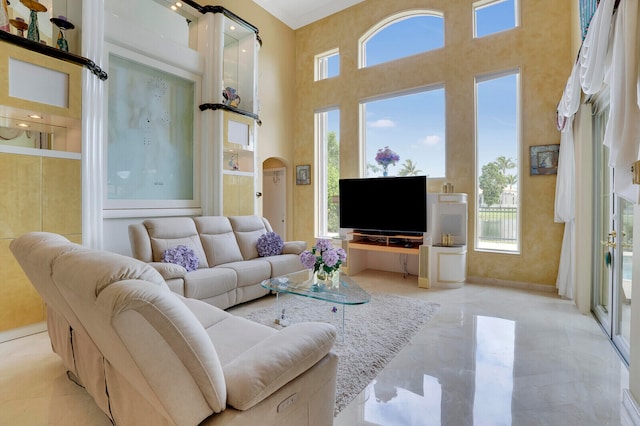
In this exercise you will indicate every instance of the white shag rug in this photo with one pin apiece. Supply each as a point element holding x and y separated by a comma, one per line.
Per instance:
<point>374,333</point>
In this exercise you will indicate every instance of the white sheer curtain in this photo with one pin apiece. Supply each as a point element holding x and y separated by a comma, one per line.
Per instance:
<point>595,52</point>
<point>565,183</point>
<point>622,134</point>
<point>608,60</point>
<point>588,75</point>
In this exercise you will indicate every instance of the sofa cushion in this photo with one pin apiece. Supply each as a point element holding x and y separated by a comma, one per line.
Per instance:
<point>206,314</point>
<point>269,244</point>
<point>218,239</point>
<point>170,232</point>
<point>248,229</point>
<point>284,264</point>
<point>249,272</point>
<point>294,247</point>
<point>275,361</point>
<point>235,335</point>
<point>209,282</point>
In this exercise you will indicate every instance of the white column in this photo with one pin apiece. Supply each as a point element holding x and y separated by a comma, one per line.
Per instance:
<point>211,46</point>
<point>92,130</point>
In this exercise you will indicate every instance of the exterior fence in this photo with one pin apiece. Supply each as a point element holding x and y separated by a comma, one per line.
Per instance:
<point>498,224</point>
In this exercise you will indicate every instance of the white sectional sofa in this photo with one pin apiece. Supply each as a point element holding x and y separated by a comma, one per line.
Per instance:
<point>149,356</point>
<point>230,270</point>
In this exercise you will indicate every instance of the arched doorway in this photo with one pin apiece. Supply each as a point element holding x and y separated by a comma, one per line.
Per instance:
<point>274,195</point>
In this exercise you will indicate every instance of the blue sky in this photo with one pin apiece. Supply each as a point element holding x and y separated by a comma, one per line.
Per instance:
<point>413,125</point>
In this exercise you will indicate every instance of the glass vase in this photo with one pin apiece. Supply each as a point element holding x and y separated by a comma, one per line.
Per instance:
<point>326,279</point>
<point>320,277</point>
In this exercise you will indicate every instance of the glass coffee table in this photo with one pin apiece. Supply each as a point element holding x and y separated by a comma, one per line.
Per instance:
<point>344,292</point>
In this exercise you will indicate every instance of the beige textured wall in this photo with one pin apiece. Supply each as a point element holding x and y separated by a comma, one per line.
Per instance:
<point>36,194</point>
<point>540,47</point>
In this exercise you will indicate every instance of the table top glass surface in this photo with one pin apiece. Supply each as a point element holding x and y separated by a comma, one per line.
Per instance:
<point>347,292</point>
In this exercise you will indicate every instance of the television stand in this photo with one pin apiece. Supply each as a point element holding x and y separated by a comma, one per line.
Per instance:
<point>386,233</point>
<point>361,243</point>
<point>394,243</point>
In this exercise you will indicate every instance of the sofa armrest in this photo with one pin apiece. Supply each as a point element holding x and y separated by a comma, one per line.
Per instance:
<point>294,247</point>
<point>275,361</point>
<point>169,270</point>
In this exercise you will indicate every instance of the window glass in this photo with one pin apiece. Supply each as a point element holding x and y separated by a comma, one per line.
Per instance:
<point>328,143</point>
<point>411,126</point>
<point>494,16</point>
<point>327,65</point>
<point>497,142</point>
<point>418,33</point>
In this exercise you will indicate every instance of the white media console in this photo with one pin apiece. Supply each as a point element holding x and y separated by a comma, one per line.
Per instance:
<point>441,251</point>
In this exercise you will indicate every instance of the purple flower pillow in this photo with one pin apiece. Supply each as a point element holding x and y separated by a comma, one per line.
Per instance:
<point>181,255</point>
<point>269,244</point>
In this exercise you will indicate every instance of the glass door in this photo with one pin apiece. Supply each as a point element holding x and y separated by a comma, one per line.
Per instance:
<point>622,285</point>
<point>605,240</point>
<point>613,251</point>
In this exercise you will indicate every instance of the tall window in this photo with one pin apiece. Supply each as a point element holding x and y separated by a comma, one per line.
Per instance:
<point>410,125</point>
<point>327,125</point>
<point>497,142</point>
<point>327,65</point>
<point>420,31</point>
<point>493,16</point>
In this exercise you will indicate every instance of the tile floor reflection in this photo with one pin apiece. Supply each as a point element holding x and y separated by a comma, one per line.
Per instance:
<point>490,356</point>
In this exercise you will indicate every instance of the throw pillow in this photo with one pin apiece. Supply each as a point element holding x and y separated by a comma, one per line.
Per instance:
<point>181,255</point>
<point>269,244</point>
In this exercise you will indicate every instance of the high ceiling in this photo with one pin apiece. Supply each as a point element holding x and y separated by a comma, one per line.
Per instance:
<point>298,13</point>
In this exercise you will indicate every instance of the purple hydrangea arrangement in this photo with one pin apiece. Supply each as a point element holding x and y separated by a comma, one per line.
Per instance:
<point>181,255</point>
<point>385,156</point>
<point>323,257</point>
<point>269,244</point>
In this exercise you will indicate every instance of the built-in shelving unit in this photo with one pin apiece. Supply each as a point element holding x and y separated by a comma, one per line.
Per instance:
<point>359,245</point>
<point>41,113</point>
<point>231,98</point>
<point>54,53</point>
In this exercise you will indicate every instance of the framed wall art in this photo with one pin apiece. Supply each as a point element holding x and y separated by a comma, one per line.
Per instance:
<point>303,174</point>
<point>544,159</point>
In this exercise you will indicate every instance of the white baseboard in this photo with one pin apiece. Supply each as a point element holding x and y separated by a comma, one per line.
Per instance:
<point>16,333</point>
<point>512,284</point>
<point>631,411</point>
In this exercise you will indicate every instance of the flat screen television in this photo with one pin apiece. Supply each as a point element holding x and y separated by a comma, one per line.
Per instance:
<point>384,205</point>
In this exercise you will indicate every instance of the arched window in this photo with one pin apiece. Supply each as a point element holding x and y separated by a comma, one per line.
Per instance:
<point>401,35</point>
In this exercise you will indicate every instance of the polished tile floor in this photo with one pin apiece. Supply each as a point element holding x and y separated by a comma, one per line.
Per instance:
<point>490,356</point>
